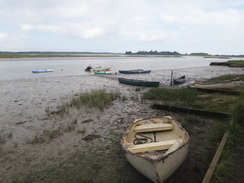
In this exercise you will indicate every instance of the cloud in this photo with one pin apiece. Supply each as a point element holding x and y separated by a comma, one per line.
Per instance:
<point>141,21</point>
<point>3,35</point>
<point>45,28</point>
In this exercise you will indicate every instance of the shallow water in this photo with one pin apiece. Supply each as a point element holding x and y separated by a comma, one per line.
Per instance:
<point>20,68</point>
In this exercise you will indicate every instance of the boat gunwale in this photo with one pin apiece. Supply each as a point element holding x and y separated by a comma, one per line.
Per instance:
<point>161,157</point>
<point>138,81</point>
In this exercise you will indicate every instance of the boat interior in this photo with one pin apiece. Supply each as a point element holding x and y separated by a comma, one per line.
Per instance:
<point>154,137</point>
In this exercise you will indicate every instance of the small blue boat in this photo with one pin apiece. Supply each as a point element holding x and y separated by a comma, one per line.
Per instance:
<point>42,71</point>
<point>137,71</point>
<point>139,82</point>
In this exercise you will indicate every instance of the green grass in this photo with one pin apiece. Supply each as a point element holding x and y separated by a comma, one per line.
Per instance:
<point>191,98</point>
<point>5,136</point>
<point>237,110</point>
<point>236,63</point>
<point>229,156</point>
<point>228,77</point>
<point>179,96</point>
<point>49,134</point>
<point>215,102</point>
<point>105,163</point>
<point>97,98</point>
<point>230,63</point>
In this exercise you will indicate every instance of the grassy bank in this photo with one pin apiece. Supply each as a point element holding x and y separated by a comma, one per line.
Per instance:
<point>230,156</point>
<point>191,98</point>
<point>216,102</point>
<point>97,98</point>
<point>229,77</point>
<point>230,63</point>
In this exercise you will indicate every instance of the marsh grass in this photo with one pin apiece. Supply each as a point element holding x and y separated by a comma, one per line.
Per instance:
<point>4,136</point>
<point>49,134</point>
<point>96,98</point>
<point>230,63</point>
<point>105,163</point>
<point>179,96</point>
<point>191,98</point>
<point>228,77</point>
<point>237,110</point>
<point>230,156</point>
<point>236,63</point>
<point>215,102</point>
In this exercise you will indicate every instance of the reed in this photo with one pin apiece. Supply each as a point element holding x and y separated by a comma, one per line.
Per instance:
<point>228,77</point>
<point>230,155</point>
<point>96,98</point>
<point>237,109</point>
<point>179,96</point>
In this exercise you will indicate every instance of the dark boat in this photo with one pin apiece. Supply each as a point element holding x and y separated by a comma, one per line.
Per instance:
<point>137,71</point>
<point>179,80</point>
<point>138,82</point>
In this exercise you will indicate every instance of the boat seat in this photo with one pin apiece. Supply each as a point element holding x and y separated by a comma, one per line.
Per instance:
<point>153,127</point>
<point>162,145</point>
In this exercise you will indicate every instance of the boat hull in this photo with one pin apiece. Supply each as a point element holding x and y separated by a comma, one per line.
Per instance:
<point>102,72</point>
<point>161,170</point>
<point>217,86</point>
<point>42,71</point>
<point>162,148</point>
<point>139,71</point>
<point>97,69</point>
<point>139,82</point>
<point>178,81</point>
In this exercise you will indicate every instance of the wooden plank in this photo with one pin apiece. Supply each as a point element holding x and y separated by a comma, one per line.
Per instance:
<point>214,162</point>
<point>162,145</point>
<point>153,127</point>
<point>191,111</point>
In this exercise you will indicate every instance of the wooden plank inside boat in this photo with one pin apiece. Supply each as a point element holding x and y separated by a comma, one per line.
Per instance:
<point>153,127</point>
<point>162,145</point>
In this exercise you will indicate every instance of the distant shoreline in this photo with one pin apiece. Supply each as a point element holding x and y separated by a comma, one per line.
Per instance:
<point>36,54</point>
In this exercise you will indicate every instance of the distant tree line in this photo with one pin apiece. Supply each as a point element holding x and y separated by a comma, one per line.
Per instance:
<point>152,53</point>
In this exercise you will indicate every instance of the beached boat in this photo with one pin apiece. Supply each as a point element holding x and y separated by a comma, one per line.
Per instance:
<point>156,147</point>
<point>139,82</point>
<point>217,86</point>
<point>137,71</point>
<point>103,72</point>
<point>94,69</point>
<point>42,71</point>
<point>179,80</point>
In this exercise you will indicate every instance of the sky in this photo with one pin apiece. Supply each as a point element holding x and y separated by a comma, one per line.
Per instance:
<point>117,26</point>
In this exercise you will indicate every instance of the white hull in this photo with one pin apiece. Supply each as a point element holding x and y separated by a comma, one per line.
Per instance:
<point>217,86</point>
<point>156,163</point>
<point>159,171</point>
<point>100,69</point>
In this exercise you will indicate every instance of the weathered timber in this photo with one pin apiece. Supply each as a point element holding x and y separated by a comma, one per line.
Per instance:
<point>215,160</point>
<point>190,111</point>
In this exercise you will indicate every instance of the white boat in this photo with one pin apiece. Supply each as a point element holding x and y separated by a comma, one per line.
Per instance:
<point>156,147</point>
<point>217,86</point>
<point>43,70</point>
<point>100,69</point>
<point>95,69</point>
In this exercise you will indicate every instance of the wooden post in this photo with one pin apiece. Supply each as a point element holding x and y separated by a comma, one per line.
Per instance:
<point>215,159</point>
<point>171,79</point>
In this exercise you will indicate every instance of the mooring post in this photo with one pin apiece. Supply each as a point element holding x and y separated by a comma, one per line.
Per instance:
<point>171,78</point>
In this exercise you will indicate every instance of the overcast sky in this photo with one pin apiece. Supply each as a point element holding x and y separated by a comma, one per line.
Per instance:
<point>185,26</point>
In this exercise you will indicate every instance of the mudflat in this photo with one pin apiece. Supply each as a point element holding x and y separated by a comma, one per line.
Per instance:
<point>28,110</point>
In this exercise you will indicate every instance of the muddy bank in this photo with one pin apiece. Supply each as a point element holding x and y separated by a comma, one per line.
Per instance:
<point>25,109</point>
